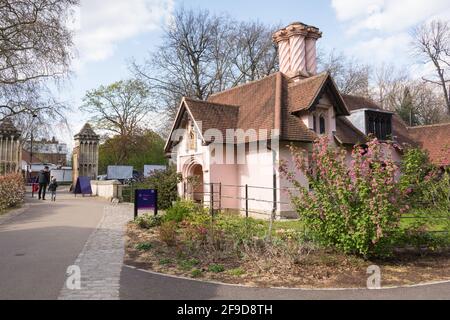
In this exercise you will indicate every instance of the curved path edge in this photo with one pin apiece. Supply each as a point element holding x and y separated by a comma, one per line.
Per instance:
<point>140,284</point>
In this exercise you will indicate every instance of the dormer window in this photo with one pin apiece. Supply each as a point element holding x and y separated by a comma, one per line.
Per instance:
<point>379,124</point>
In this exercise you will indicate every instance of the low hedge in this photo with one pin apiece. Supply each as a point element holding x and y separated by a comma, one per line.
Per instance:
<point>12,191</point>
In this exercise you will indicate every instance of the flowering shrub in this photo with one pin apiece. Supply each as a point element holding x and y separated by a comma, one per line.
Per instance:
<point>426,186</point>
<point>352,206</point>
<point>12,191</point>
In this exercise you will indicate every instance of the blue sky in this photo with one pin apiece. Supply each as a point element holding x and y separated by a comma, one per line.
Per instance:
<point>108,33</point>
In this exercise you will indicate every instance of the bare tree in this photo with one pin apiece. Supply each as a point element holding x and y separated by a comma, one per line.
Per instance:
<point>387,82</point>
<point>415,102</point>
<point>35,46</point>
<point>118,108</point>
<point>350,76</point>
<point>201,54</point>
<point>35,41</point>
<point>432,43</point>
<point>255,55</point>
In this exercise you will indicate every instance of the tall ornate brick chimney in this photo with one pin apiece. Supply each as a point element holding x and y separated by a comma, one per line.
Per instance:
<point>297,49</point>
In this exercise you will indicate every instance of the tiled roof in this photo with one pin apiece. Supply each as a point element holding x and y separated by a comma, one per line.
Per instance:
<point>436,140</point>
<point>254,106</point>
<point>356,102</point>
<point>347,133</point>
<point>303,93</point>
<point>87,133</point>
<point>213,115</point>
<point>256,101</point>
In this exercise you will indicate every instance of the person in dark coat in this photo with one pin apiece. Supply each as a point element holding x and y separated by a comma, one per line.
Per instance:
<point>52,187</point>
<point>43,180</point>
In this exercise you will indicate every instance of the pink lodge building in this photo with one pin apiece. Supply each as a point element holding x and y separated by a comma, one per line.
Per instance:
<point>233,142</point>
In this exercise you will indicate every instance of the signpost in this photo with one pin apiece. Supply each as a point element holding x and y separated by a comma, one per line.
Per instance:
<point>145,199</point>
<point>83,186</point>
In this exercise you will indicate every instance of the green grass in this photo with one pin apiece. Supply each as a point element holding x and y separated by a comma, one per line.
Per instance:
<point>433,220</point>
<point>236,272</point>
<point>145,246</point>
<point>196,273</point>
<point>216,268</point>
<point>165,261</point>
<point>187,265</point>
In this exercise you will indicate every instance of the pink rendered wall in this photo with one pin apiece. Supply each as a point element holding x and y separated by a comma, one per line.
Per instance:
<point>258,172</point>
<point>286,156</point>
<point>227,174</point>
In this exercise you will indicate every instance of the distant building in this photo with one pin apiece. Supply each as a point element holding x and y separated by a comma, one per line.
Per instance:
<point>45,151</point>
<point>9,147</point>
<point>85,154</point>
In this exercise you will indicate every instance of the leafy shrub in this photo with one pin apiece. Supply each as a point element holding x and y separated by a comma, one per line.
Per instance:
<point>216,268</point>
<point>165,181</point>
<point>165,261</point>
<point>237,272</point>
<point>354,207</point>
<point>148,221</point>
<point>12,191</point>
<point>168,233</point>
<point>422,239</point>
<point>196,273</point>
<point>145,246</point>
<point>179,211</point>
<point>239,229</point>
<point>188,264</point>
<point>425,184</point>
<point>193,232</point>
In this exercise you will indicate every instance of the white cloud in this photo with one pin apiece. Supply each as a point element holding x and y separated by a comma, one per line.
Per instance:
<point>100,25</point>
<point>395,48</point>
<point>378,31</point>
<point>388,15</point>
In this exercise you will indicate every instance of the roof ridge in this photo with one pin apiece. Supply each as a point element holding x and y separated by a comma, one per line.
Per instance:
<point>244,84</point>
<point>302,81</point>
<point>429,125</point>
<point>210,102</point>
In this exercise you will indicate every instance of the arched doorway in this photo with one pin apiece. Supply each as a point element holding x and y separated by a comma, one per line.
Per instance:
<point>197,183</point>
<point>193,181</point>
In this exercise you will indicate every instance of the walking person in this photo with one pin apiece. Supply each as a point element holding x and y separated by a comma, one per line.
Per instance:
<point>43,180</point>
<point>52,188</point>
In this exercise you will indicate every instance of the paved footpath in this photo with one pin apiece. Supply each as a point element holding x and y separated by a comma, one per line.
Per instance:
<point>40,241</point>
<point>141,285</point>
<point>100,261</point>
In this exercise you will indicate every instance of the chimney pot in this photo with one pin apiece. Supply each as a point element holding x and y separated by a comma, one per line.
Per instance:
<point>297,49</point>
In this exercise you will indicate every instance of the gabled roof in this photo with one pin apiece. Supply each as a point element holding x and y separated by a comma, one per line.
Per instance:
<point>436,140</point>
<point>306,93</point>
<point>275,102</point>
<point>213,115</point>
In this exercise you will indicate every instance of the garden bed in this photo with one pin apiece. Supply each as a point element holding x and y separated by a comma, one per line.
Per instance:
<point>275,265</point>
